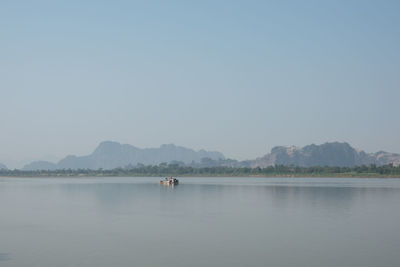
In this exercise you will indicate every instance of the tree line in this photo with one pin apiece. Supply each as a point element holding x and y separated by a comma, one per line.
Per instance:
<point>179,170</point>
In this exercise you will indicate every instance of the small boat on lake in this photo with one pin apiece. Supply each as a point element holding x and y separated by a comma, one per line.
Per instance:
<point>169,181</point>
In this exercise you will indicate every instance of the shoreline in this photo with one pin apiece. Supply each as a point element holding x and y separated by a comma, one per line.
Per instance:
<point>210,176</point>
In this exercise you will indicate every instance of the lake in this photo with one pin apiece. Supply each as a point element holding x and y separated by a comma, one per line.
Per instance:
<point>121,221</point>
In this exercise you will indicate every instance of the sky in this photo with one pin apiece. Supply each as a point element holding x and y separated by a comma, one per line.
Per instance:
<point>239,77</point>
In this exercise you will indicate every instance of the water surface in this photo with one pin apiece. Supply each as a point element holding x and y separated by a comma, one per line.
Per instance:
<point>201,222</point>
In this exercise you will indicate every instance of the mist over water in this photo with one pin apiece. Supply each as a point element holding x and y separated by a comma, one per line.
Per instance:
<point>201,222</point>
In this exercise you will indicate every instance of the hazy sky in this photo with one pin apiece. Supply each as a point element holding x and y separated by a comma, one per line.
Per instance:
<point>235,76</point>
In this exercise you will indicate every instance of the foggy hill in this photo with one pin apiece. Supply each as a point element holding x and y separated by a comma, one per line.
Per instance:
<point>328,154</point>
<point>40,165</point>
<point>109,155</point>
<point>2,166</point>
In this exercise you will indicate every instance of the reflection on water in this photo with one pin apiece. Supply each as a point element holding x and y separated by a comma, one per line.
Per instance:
<point>4,257</point>
<point>200,222</point>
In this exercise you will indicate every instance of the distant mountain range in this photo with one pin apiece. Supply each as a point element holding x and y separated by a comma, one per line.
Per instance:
<point>2,166</point>
<point>109,155</point>
<point>328,154</point>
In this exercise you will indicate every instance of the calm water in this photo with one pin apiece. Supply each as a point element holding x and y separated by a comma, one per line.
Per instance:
<point>201,222</point>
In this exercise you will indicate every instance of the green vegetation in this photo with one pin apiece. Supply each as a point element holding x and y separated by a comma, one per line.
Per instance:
<point>179,170</point>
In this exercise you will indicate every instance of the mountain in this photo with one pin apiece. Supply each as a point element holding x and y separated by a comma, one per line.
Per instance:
<point>40,165</point>
<point>328,154</point>
<point>2,166</point>
<point>109,155</point>
<point>383,158</point>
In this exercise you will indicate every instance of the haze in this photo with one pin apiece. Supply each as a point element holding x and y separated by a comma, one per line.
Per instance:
<point>238,77</point>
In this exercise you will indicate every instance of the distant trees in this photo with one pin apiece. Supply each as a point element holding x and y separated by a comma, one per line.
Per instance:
<point>179,169</point>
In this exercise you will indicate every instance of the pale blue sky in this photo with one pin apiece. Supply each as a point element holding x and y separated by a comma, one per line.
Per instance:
<point>235,76</point>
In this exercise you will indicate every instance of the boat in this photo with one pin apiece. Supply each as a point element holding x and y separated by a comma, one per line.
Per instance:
<point>169,181</point>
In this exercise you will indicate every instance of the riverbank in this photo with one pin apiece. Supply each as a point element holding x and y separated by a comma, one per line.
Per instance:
<point>332,175</point>
<point>372,171</point>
